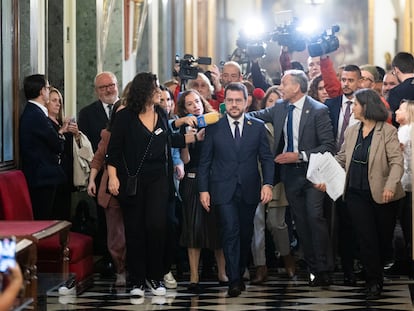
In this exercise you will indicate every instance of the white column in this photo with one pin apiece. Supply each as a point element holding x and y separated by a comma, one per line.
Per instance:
<point>69,56</point>
<point>153,44</point>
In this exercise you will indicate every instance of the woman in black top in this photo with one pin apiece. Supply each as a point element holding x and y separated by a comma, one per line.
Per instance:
<point>140,174</point>
<point>199,228</point>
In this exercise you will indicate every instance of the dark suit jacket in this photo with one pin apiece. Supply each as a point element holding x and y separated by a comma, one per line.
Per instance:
<point>91,121</point>
<point>223,166</point>
<point>40,147</point>
<point>402,91</point>
<point>315,128</point>
<point>334,106</point>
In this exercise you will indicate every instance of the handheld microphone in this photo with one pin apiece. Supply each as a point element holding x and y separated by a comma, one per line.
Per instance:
<point>222,108</point>
<point>258,93</point>
<point>207,119</point>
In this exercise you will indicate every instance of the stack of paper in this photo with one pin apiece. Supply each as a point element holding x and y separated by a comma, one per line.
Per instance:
<point>324,169</point>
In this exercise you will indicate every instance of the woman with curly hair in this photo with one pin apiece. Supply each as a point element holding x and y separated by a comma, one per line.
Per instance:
<point>317,89</point>
<point>141,175</point>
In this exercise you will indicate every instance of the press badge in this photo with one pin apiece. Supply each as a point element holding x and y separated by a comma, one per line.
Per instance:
<point>158,131</point>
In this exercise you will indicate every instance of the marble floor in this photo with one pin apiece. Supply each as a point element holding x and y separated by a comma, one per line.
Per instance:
<point>278,293</point>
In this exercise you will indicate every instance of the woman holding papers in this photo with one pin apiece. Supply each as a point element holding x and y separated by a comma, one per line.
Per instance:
<point>373,162</point>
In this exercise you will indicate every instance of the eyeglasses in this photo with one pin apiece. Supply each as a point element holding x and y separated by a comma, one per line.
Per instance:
<point>360,161</point>
<point>366,79</point>
<point>105,87</point>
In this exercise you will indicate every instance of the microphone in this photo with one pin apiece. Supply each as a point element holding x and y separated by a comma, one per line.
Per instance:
<point>222,108</point>
<point>258,93</point>
<point>207,119</point>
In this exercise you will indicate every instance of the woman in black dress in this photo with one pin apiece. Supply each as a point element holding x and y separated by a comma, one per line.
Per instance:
<point>200,229</point>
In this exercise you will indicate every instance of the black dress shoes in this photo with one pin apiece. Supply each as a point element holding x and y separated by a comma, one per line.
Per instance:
<point>236,288</point>
<point>350,279</point>
<point>373,291</point>
<point>321,279</point>
<point>194,288</point>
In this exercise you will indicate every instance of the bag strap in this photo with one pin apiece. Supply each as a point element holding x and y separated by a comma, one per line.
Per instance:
<point>142,160</point>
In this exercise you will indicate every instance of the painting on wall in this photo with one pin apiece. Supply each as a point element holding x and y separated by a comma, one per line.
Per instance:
<point>352,17</point>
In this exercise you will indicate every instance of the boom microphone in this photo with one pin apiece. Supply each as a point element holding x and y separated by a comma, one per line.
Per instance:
<point>258,93</point>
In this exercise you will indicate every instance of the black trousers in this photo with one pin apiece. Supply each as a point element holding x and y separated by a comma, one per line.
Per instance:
<point>374,230</point>
<point>43,201</point>
<point>306,204</point>
<point>145,221</point>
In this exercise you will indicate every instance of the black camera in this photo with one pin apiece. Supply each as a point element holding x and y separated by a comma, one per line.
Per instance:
<point>251,47</point>
<point>288,35</point>
<point>325,43</point>
<point>189,66</point>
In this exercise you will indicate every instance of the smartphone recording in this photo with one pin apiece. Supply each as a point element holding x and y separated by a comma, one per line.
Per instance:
<point>7,253</point>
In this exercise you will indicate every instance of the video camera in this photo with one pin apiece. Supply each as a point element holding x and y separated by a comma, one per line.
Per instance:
<point>287,35</point>
<point>188,66</point>
<point>325,43</point>
<point>251,47</point>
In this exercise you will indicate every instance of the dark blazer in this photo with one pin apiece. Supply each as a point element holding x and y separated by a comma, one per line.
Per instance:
<point>223,166</point>
<point>334,106</point>
<point>404,90</point>
<point>40,148</point>
<point>91,121</point>
<point>315,129</point>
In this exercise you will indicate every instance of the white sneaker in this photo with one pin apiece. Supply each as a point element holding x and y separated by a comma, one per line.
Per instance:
<point>120,279</point>
<point>157,287</point>
<point>169,281</point>
<point>137,291</point>
<point>63,290</point>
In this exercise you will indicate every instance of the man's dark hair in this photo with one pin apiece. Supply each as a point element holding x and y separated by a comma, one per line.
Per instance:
<point>404,62</point>
<point>381,73</point>
<point>374,108</point>
<point>353,68</point>
<point>32,85</point>
<point>236,86</point>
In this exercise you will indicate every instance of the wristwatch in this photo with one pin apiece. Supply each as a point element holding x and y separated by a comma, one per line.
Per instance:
<point>300,157</point>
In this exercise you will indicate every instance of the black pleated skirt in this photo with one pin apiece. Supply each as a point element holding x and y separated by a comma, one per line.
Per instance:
<point>200,229</point>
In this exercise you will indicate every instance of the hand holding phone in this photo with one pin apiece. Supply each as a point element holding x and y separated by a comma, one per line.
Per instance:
<point>7,253</point>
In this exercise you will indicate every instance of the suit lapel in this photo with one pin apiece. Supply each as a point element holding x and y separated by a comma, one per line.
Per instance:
<point>304,118</point>
<point>350,141</point>
<point>375,143</point>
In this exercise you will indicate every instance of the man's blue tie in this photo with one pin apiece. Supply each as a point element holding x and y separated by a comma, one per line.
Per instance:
<point>236,133</point>
<point>290,129</point>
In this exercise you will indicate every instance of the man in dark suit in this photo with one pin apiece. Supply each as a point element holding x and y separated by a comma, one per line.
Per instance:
<point>305,130</point>
<point>338,106</point>
<point>230,180</point>
<point>40,148</point>
<point>91,121</point>
<point>94,117</point>
<point>403,68</point>
<point>340,112</point>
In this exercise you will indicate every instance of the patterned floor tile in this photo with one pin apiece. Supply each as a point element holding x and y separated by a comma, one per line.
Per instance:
<point>276,294</point>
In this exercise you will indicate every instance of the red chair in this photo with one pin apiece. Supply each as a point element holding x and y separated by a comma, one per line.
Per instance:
<point>15,204</point>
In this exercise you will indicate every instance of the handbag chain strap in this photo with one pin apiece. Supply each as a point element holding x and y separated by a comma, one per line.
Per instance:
<point>142,160</point>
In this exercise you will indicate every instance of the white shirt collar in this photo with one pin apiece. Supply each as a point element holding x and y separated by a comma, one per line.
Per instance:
<point>231,120</point>
<point>44,109</point>
<point>299,103</point>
